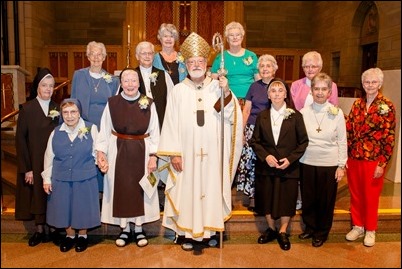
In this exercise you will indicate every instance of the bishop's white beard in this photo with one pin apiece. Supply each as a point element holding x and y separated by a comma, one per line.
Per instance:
<point>197,73</point>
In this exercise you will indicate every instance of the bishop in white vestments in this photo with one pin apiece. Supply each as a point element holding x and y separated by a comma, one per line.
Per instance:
<point>198,193</point>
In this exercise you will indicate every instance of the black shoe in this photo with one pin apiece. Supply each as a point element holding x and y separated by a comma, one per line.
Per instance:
<point>67,244</point>
<point>36,239</point>
<point>55,237</point>
<point>305,235</point>
<point>251,204</point>
<point>213,241</point>
<point>317,242</point>
<point>283,241</point>
<point>268,236</point>
<point>179,239</point>
<point>82,244</point>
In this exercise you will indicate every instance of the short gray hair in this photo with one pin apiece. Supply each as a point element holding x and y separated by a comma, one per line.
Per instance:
<point>268,58</point>
<point>98,45</point>
<point>168,27</point>
<point>234,25</point>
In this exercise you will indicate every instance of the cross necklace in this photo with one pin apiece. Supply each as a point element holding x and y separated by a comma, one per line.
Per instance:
<point>274,121</point>
<point>319,123</point>
<point>97,85</point>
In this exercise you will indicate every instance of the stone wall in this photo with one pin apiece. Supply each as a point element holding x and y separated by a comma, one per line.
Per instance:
<point>331,28</point>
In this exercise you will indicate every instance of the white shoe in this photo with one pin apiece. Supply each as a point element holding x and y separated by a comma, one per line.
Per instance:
<point>369,239</point>
<point>355,233</point>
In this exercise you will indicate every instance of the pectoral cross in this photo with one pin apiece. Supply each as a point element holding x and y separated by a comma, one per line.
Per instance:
<point>202,154</point>
<point>318,129</point>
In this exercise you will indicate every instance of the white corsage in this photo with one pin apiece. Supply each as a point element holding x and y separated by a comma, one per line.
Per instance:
<point>333,110</point>
<point>107,77</point>
<point>143,102</point>
<point>53,114</point>
<point>82,132</point>
<point>179,58</point>
<point>288,113</point>
<point>384,108</point>
<point>153,77</point>
<point>248,60</point>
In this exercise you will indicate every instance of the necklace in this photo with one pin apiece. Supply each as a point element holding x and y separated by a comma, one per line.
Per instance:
<point>319,123</point>
<point>275,120</point>
<point>168,67</point>
<point>97,85</point>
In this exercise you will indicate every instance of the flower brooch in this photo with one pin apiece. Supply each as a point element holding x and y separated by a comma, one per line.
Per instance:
<point>107,77</point>
<point>333,110</point>
<point>53,114</point>
<point>383,108</point>
<point>248,60</point>
<point>288,113</point>
<point>153,77</point>
<point>179,58</point>
<point>82,132</point>
<point>143,102</point>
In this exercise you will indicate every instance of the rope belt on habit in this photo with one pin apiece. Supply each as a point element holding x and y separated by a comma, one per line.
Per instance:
<point>130,137</point>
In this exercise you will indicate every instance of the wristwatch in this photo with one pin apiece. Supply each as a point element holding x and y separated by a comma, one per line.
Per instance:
<point>341,167</point>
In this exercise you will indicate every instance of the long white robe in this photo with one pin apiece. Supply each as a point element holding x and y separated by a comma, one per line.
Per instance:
<point>107,144</point>
<point>198,201</point>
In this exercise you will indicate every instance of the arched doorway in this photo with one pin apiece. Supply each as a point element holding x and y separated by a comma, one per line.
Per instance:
<point>369,35</point>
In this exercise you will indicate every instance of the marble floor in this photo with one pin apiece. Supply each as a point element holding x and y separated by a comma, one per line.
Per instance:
<point>242,253</point>
<point>241,250</point>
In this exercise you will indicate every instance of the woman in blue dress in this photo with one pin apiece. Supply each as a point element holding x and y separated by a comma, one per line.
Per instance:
<point>70,177</point>
<point>93,86</point>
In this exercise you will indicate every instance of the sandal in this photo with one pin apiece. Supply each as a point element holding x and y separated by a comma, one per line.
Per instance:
<point>122,241</point>
<point>140,239</point>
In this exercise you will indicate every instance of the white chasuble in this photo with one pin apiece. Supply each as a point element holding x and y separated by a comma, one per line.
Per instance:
<point>198,200</point>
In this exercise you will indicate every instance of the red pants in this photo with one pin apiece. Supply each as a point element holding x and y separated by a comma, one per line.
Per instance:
<point>365,191</point>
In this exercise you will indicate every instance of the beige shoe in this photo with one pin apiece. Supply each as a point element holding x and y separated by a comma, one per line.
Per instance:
<point>369,239</point>
<point>355,233</point>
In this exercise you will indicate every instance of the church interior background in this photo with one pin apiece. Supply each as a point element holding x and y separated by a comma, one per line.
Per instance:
<point>351,36</point>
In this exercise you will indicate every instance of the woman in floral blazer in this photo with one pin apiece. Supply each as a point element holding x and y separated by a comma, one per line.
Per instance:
<point>371,136</point>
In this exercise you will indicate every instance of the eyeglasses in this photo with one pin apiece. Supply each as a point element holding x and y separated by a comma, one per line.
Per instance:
<point>323,89</point>
<point>146,54</point>
<point>310,67</point>
<point>235,36</point>
<point>193,62</point>
<point>367,83</point>
<point>96,55</point>
<point>72,113</point>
